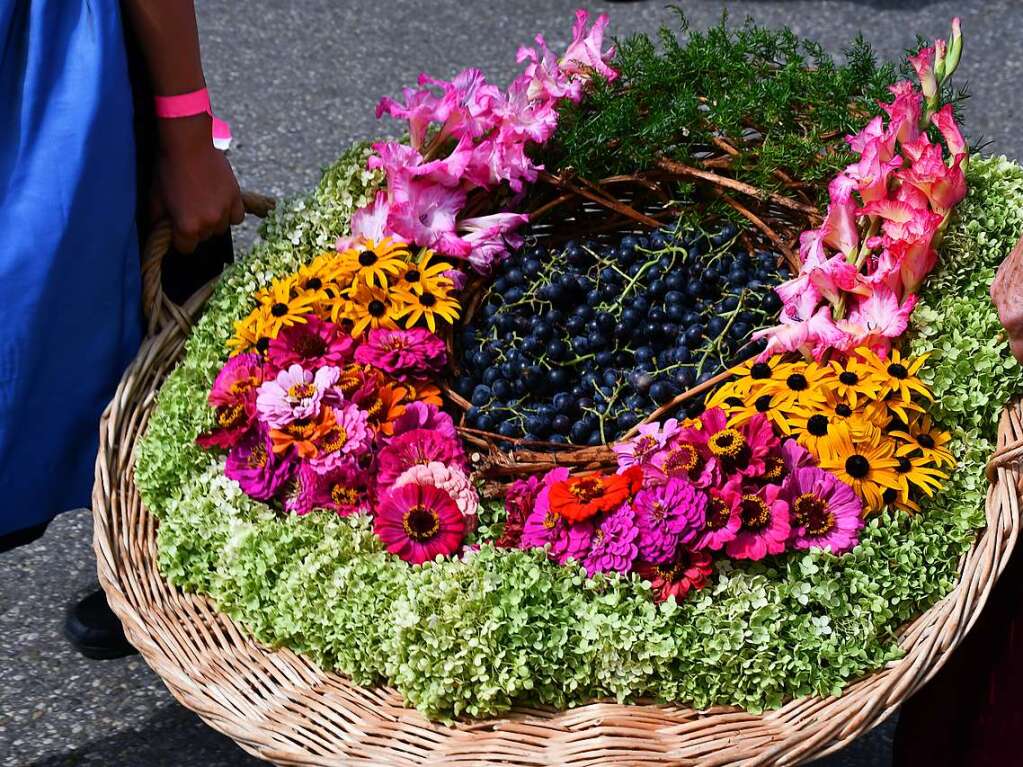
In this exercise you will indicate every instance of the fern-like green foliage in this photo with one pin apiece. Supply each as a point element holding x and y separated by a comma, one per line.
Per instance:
<point>776,98</point>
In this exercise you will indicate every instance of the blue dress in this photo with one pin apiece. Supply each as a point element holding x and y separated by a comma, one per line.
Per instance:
<point>69,265</point>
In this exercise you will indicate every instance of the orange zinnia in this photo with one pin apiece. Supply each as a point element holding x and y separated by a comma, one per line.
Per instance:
<point>303,434</point>
<point>578,498</point>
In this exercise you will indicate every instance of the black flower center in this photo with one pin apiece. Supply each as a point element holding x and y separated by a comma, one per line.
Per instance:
<point>889,495</point>
<point>817,425</point>
<point>897,371</point>
<point>412,275</point>
<point>904,466</point>
<point>313,283</point>
<point>926,441</point>
<point>857,467</point>
<point>733,402</point>
<point>262,345</point>
<point>755,514</point>
<point>843,410</point>
<point>797,382</point>
<point>849,378</point>
<point>428,299</point>
<point>377,308</point>
<point>279,310</point>
<point>760,371</point>
<point>367,258</point>
<point>762,403</point>
<point>718,513</point>
<point>421,523</point>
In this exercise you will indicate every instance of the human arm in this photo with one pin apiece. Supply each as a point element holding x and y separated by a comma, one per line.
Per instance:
<point>194,185</point>
<point>1007,295</point>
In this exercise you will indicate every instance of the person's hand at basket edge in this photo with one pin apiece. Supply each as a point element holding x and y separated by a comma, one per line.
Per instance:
<point>194,184</point>
<point>1007,296</point>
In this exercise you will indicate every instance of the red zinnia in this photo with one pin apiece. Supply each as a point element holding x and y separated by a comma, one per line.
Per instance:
<point>580,497</point>
<point>688,571</point>
<point>418,522</point>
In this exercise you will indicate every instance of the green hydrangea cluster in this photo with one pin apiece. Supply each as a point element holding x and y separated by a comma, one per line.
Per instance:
<point>474,636</point>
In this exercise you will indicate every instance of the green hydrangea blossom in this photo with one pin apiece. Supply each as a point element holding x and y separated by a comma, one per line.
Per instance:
<point>474,636</point>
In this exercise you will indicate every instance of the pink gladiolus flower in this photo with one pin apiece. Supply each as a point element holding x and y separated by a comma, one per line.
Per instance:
<point>490,237</point>
<point>811,336</point>
<point>871,173</point>
<point>877,319</point>
<point>766,525</point>
<point>923,65</point>
<point>547,81</point>
<point>836,277</point>
<point>942,185</point>
<point>583,55</point>
<point>369,223</point>
<point>904,112</point>
<point>839,228</point>
<point>903,221</point>
<point>421,108</point>
<point>876,135</point>
<point>524,117</point>
<point>427,217</point>
<point>295,393</point>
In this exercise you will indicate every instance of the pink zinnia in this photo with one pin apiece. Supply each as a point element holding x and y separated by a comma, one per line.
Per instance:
<point>422,415</point>
<point>826,513</point>
<point>519,499</point>
<point>650,437</point>
<point>419,446</point>
<point>295,393</point>
<point>565,540</point>
<point>311,344</point>
<point>256,468</point>
<point>614,547</point>
<point>405,353</point>
<point>687,571</point>
<point>450,479</point>
<point>237,382</point>
<point>418,523</point>
<point>765,525</point>
<point>667,516</point>
<point>344,490</point>
<point>349,439</point>
<point>723,519</point>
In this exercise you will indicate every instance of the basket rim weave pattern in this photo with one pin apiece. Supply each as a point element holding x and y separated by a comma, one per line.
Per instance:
<point>282,708</point>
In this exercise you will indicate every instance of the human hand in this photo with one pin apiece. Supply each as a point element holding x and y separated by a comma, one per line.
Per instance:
<point>194,185</point>
<point>1007,296</point>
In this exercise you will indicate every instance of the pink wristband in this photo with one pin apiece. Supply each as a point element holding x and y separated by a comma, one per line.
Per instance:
<point>190,104</point>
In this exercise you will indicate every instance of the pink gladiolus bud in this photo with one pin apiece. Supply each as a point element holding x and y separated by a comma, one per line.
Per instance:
<point>839,227</point>
<point>923,64</point>
<point>945,122</point>
<point>904,112</point>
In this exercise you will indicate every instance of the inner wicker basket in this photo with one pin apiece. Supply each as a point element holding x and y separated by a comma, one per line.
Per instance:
<point>565,207</point>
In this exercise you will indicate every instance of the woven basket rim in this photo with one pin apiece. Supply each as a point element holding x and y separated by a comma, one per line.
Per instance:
<point>248,691</point>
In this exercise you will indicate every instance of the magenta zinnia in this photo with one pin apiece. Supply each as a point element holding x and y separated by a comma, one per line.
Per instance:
<point>543,527</point>
<point>826,513</point>
<point>419,446</point>
<point>256,468</point>
<point>312,344</point>
<point>668,515</point>
<point>614,546</point>
<point>419,523</point>
<point>765,524</point>
<point>405,353</point>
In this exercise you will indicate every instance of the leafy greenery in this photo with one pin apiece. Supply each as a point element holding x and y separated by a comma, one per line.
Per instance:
<point>472,636</point>
<point>740,84</point>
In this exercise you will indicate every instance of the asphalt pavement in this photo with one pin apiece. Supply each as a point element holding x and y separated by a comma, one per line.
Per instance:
<point>298,81</point>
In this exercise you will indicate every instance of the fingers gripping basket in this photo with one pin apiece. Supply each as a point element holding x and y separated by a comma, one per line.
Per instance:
<point>280,707</point>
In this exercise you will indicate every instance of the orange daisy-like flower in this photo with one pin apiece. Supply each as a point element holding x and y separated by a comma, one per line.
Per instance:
<point>388,404</point>
<point>303,434</point>
<point>580,497</point>
<point>427,393</point>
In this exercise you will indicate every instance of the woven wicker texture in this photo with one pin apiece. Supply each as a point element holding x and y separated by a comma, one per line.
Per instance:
<point>279,706</point>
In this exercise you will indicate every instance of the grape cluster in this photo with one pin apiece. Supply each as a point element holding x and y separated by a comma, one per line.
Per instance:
<point>578,344</point>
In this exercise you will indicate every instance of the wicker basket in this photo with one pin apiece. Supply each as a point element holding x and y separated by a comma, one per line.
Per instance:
<point>282,708</point>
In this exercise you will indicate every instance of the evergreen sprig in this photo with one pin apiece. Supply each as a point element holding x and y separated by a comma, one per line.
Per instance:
<point>776,98</point>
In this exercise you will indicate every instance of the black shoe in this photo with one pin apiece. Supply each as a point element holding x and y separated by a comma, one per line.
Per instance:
<point>92,628</point>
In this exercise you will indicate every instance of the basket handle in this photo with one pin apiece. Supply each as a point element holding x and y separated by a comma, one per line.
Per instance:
<point>157,308</point>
